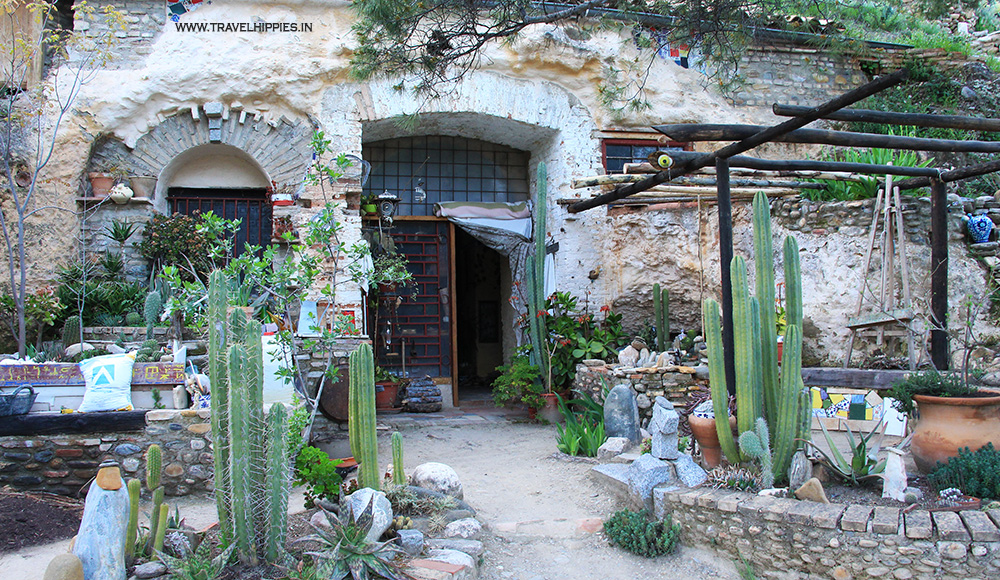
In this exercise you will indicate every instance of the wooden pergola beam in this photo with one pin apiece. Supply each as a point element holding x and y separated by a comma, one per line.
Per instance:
<point>952,175</point>
<point>765,136</point>
<point>682,157</point>
<point>902,119</point>
<point>712,132</point>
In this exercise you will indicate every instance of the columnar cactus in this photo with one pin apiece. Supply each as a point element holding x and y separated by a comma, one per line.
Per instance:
<point>761,390</point>
<point>71,331</point>
<point>661,317</point>
<point>161,530</point>
<point>362,387</point>
<point>535,278</point>
<point>132,531</point>
<point>154,466</point>
<point>251,462</point>
<point>398,475</point>
<point>151,311</point>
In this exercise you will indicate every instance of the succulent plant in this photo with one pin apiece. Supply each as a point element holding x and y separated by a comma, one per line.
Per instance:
<point>347,553</point>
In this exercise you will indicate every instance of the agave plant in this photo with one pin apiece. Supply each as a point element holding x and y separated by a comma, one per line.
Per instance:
<point>864,463</point>
<point>346,552</point>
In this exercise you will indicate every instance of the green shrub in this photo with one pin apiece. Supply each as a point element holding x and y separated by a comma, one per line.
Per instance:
<point>976,473</point>
<point>634,532</point>
<point>930,383</point>
<point>519,382</point>
<point>176,240</point>
<point>583,433</point>
<point>318,472</point>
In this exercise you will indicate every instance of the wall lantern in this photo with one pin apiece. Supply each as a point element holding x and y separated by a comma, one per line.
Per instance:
<point>387,203</point>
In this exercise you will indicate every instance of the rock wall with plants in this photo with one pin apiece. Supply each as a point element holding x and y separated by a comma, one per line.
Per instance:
<point>63,464</point>
<point>678,384</point>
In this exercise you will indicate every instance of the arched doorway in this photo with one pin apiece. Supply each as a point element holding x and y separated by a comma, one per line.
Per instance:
<point>226,181</point>
<point>458,324</point>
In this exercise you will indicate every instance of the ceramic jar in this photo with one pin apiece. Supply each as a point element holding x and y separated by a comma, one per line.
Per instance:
<point>948,424</point>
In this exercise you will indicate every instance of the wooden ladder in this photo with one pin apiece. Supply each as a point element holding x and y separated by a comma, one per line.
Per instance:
<point>888,311</point>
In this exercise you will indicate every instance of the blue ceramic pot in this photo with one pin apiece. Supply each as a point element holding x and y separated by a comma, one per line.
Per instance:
<point>979,227</point>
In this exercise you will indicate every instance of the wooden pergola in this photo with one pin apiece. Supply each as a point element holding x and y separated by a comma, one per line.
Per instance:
<point>747,137</point>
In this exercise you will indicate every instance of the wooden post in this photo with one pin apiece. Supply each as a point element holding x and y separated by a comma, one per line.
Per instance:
<point>726,257</point>
<point>939,275</point>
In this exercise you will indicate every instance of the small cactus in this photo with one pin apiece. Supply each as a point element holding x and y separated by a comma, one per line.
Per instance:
<point>755,444</point>
<point>132,531</point>
<point>398,475</point>
<point>71,333</point>
<point>154,464</point>
<point>151,311</point>
<point>161,528</point>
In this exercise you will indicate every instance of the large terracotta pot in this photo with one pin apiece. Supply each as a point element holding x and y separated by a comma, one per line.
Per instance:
<point>948,424</point>
<point>386,393</point>
<point>550,412</point>
<point>707,437</point>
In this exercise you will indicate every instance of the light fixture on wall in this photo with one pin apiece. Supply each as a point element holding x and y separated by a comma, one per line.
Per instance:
<point>387,203</point>
<point>419,194</point>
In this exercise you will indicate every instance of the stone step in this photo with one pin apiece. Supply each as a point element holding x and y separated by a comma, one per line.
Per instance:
<point>612,477</point>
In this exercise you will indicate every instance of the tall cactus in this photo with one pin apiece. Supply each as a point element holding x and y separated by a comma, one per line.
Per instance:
<point>251,463</point>
<point>151,311</point>
<point>398,475</point>
<point>132,530</point>
<point>535,278</point>
<point>154,466</point>
<point>761,390</point>
<point>362,386</point>
<point>661,317</point>
<point>276,494</point>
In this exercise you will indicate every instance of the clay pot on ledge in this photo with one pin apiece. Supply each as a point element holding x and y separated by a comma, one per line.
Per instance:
<point>101,183</point>
<point>143,185</point>
<point>947,424</point>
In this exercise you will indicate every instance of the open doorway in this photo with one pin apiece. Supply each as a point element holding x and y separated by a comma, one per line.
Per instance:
<point>480,295</point>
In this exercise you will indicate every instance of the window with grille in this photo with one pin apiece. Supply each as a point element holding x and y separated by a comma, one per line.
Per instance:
<point>618,152</point>
<point>447,169</point>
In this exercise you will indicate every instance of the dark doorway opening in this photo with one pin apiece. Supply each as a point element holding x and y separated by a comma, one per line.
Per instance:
<point>250,206</point>
<point>480,295</point>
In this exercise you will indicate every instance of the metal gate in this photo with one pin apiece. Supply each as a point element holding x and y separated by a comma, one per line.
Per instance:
<point>422,320</point>
<point>250,206</point>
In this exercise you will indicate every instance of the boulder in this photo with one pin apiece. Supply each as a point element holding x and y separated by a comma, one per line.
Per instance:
<point>644,474</point>
<point>410,541</point>
<point>800,471</point>
<point>628,357</point>
<point>64,567</point>
<point>75,349</point>
<point>689,473</point>
<point>452,557</point>
<point>663,430</point>
<point>812,490</point>
<point>150,570</point>
<point>613,447</point>
<point>466,528</point>
<point>437,477</point>
<point>381,510</point>
<point>621,414</point>
<point>473,548</point>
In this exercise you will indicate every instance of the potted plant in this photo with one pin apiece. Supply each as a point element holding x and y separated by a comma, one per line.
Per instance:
<point>106,173</point>
<point>368,204</point>
<point>519,382</point>
<point>144,186</point>
<point>386,390</point>
<point>950,415</point>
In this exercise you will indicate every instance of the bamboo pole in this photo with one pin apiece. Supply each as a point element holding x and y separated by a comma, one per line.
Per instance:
<point>888,118</point>
<point>713,132</point>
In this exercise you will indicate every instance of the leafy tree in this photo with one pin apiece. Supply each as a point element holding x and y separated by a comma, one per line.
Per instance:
<point>31,114</point>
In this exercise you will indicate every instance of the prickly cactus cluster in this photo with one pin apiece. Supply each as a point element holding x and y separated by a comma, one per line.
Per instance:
<point>252,472</point>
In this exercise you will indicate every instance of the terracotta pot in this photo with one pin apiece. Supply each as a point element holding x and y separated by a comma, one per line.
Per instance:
<point>948,424</point>
<point>707,437</point>
<point>143,185</point>
<point>101,183</point>
<point>550,412</point>
<point>386,398</point>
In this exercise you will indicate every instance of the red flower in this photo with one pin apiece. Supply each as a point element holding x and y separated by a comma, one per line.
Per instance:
<point>541,314</point>
<point>605,308</point>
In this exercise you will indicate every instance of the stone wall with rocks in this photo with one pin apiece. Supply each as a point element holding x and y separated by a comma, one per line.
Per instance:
<point>64,464</point>
<point>677,246</point>
<point>795,75</point>
<point>676,383</point>
<point>143,23</point>
<point>785,538</point>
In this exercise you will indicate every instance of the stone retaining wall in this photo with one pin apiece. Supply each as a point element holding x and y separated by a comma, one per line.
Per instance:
<point>65,464</point>
<point>675,383</point>
<point>785,538</point>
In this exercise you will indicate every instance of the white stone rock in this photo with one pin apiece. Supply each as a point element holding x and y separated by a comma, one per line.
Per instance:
<point>75,349</point>
<point>613,447</point>
<point>437,477</point>
<point>452,557</point>
<point>465,528</point>
<point>381,510</point>
<point>628,356</point>
<point>894,476</point>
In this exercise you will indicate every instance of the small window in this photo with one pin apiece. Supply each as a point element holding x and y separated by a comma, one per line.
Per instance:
<point>618,152</point>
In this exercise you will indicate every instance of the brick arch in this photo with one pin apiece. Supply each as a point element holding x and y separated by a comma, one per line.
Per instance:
<point>280,147</point>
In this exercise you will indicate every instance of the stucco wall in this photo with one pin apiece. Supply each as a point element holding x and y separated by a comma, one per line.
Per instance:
<point>539,94</point>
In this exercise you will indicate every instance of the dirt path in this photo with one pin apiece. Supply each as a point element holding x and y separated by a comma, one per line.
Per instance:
<point>540,512</point>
